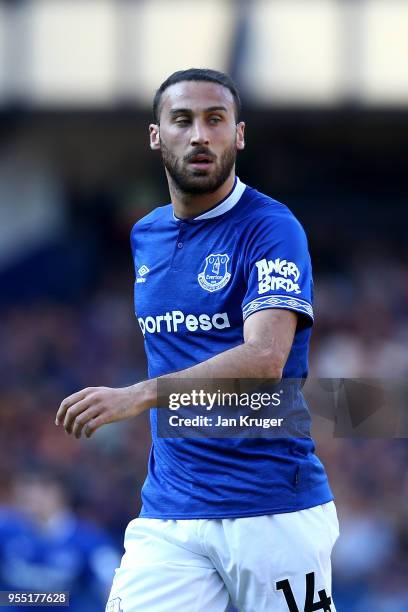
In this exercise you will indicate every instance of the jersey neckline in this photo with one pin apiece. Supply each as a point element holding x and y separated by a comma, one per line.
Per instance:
<point>222,207</point>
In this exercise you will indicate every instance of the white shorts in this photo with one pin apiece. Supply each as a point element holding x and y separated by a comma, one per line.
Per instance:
<point>276,562</point>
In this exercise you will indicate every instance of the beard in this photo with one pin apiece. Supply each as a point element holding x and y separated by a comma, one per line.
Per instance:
<point>198,181</point>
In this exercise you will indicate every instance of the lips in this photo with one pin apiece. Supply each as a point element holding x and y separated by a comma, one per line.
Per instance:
<point>200,159</point>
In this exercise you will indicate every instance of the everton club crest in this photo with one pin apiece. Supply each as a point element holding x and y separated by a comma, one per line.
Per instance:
<point>215,274</point>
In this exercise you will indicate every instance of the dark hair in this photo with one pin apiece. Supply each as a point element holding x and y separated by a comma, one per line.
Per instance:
<point>197,74</point>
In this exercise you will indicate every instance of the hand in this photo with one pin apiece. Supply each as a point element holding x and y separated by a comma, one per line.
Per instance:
<point>93,407</point>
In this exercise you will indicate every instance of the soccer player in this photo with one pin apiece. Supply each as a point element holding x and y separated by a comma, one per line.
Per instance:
<point>223,290</point>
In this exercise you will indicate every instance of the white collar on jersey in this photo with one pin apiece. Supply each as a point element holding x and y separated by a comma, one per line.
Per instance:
<point>223,206</point>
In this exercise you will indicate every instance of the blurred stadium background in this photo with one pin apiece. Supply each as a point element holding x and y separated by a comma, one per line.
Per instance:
<point>325,90</point>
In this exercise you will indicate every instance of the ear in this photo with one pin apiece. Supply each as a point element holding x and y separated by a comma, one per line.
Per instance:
<point>240,136</point>
<point>154,136</point>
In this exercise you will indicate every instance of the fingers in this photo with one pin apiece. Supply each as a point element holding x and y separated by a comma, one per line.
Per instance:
<point>86,410</point>
<point>88,421</point>
<point>77,410</point>
<point>68,402</point>
<point>82,418</point>
<point>94,424</point>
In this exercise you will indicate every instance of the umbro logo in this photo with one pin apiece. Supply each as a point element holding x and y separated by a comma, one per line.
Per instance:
<point>143,270</point>
<point>141,273</point>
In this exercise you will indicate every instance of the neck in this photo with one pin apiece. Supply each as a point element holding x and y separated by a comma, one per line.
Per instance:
<point>187,206</point>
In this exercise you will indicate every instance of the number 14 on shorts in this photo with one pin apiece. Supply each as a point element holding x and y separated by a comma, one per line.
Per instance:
<point>324,603</point>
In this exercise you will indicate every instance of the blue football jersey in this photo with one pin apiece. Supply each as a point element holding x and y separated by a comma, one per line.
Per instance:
<point>197,280</point>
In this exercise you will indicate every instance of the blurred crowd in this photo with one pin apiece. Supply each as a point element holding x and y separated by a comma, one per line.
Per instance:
<point>362,332</point>
<point>362,317</point>
<point>64,503</point>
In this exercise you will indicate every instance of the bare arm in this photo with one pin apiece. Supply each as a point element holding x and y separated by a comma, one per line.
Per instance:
<point>268,337</point>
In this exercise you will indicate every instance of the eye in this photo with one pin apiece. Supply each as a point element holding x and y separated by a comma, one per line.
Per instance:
<point>182,121</point>
<point>215,119</point>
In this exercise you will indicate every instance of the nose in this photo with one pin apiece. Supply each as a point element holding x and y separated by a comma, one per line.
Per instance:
<point>199,134</point>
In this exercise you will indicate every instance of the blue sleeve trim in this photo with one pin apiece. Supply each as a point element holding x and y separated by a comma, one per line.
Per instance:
<point>278,301</point>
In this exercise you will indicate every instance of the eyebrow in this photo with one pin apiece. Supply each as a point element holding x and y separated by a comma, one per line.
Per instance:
<point>210,109</point>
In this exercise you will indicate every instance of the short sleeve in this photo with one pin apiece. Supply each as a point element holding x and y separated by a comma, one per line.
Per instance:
<point>278,268</point>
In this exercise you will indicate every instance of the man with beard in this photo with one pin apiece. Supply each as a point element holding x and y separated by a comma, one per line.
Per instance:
<point>223,290</point>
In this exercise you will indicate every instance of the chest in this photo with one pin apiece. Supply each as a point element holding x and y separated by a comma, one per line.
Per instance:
<point>189,268</point>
